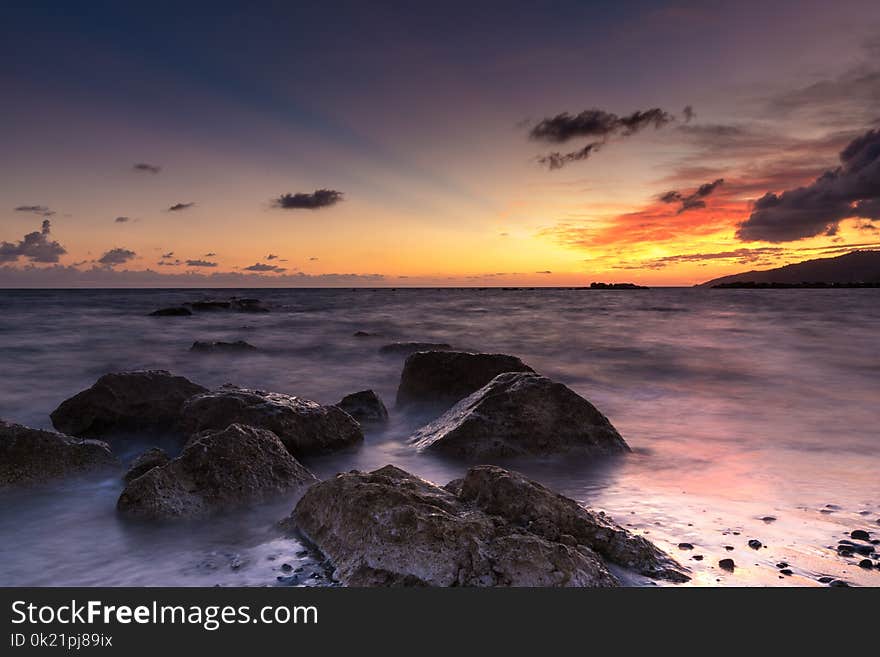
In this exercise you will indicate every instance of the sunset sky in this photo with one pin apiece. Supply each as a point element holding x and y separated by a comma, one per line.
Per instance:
<point>509,143</point>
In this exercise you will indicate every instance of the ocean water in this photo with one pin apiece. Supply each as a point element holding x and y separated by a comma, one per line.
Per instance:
<point>739,405</point>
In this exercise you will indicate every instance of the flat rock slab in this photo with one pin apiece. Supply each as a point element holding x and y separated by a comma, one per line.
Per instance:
<point>217,471</point>
<point>442,378</point>
<point>521,414</point>
<point>304,426</point>
<point>126,401</point>
<point>389,527</point>
<point>33,456</point>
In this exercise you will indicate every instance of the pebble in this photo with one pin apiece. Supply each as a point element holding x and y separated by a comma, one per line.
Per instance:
<point>286,567</point>
<point>755,544</point>
<point>685,546</point>
<point>839,584</point>
<point>866,563</point>
<point>697,557</point>
<point>782,564</point>
<point>727,564</point>
<point>860,535</point>
<point>786,571</point>
<point>825,580</point>
<point>728,548</point>
<point>769,519</point>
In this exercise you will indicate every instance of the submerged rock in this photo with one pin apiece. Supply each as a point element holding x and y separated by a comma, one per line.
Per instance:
<point>406,348</point>
<point>389,527</point>
<point>171,312</point>
<point>520,414</point>
<point>126,401</point>
<point>33,456</point>
<point>441,378</point>
<point>365,407</point>
<point>304,426</point>
<point>237,347</point>
<point>208,306</point>
<point>150,459</point>
<point>217,471</point>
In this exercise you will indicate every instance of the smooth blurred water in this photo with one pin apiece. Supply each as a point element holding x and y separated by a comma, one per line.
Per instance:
<point>739,404</point>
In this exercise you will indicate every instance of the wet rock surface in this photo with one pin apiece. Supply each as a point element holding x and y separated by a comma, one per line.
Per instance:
<point>171,312</point>
<point>389,527</point>
<point>33,456</point>
<point>150,459</point>
<point>304,426</point>
<point>521,414</point>
<point>125,401</point>
<point>439,379</point>
<point>365,406</point>
<point>236,347</point>
<point>217,471</point>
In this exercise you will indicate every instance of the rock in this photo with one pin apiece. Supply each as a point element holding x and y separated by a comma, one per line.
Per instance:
<point>248,305</point>
<point>866,563</point>
<point>697,557</point>
<point>389,527</point>
<point>519,414</point>
<point>407,348</point>
<point>442,378</point>
<point>769,519</point>
<point>126,401</point>
<point>365,407</point>
<point>685,546</point>
<point>860,535</point>
<point>304,426</point>
<point>782,564</point>
<point>217,471</point>
<point>239,346</point>
<point>755,544</point>
<point>729,548</point>
<point>363,334</point>
<point>727,564</point>
<point>33,456</point>
<point>150,459</point>
<point>786,571</point>
<point>171,312</point>
<point>839,584</point>
<point>208,306</point>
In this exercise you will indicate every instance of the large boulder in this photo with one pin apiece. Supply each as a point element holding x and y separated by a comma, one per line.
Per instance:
<point>150,459</point>
<point>33,456</point>
<point>304,426</point>
<point>389,527</point>
<point>521,414</point>
<point>217,471</point>
<point>441,378</point>
<point>365,406</point>
<point>528,504</point>
<point>126,401</point>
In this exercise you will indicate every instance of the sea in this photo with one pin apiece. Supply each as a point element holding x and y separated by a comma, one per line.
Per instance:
<point>752,414</point>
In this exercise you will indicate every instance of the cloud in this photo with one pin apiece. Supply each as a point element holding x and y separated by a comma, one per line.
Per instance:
<point>262,267</point>
<point>115,257</point>
<point>35,247</point>
<point>200,263</point>
<point>313,259</point>
<point>209,255</point>
<point>170,254</point>
<point>35,209</point>
<point>177,207</point>
<point>851,190</point>
<point>121,220</point>
<point>271,256</point>
<point>688,113</point>
<point>592,123</point>
<point>169,263</point>
<point>143,167</point>
<point>694,200</point>
<point>546,271</point>
<point>320,198</point>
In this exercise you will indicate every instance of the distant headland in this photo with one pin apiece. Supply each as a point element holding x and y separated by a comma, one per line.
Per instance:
<point>852,270</point>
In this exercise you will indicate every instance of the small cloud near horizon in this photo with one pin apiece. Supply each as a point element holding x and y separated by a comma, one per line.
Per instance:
<point>263,267</point>
<point>121,220</point>
<point>117,256</point>
<point>143,167</point>
<point>320,198</point>
<point>200,263</point>
<point>177,207</point>
<point>36,209</point>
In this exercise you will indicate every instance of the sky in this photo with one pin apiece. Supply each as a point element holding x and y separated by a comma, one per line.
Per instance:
<point>396,144</point>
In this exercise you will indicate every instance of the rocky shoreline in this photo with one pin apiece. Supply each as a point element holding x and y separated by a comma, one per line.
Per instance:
<point>240,447</point>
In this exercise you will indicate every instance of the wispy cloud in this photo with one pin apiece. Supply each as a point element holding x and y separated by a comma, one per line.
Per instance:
<point>143,167</point>
<point>177,207</point>
<point>36,209</point>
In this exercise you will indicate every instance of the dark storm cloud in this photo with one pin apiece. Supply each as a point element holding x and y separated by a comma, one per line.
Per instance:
<point>35,209</point>
<point>695,199</point>
<point>200,263</point>
<point>262,267</point>
<point>115,257</point>
<point>847,191</point>
<point>320,198</point>
<point>121,220</point>
<point>35,247</point>
<point>177,207</point>
<point>143,167</point>
<point>593,123</point>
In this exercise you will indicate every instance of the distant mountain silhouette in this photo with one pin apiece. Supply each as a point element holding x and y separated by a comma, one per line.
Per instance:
<point>851,268</point>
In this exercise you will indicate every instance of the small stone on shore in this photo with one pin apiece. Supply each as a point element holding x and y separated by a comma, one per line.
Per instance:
<point>727,564</point>
<point>685,546</point>
<point>755,544</point>
<point>769,519</point>
<point>866,563</point>
<point>860,535</point>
